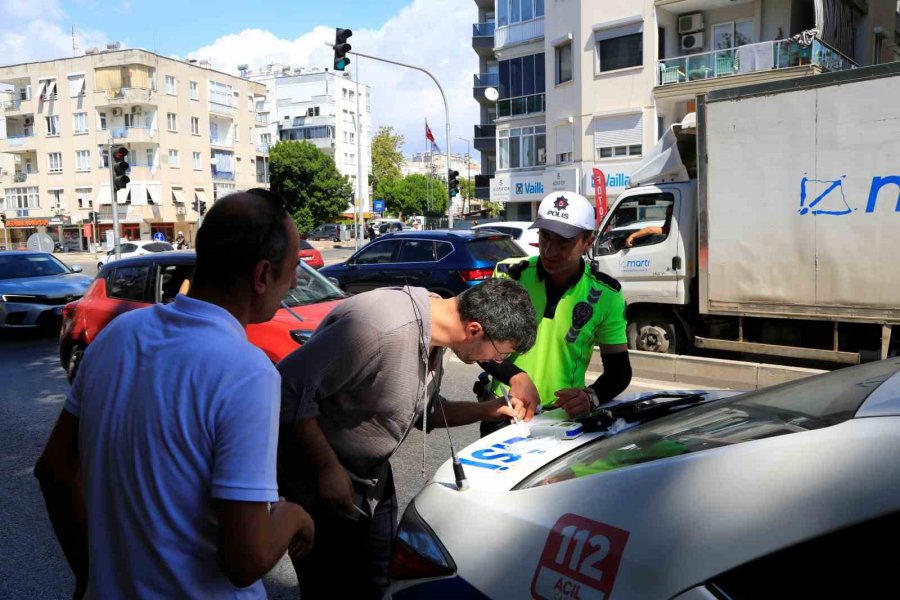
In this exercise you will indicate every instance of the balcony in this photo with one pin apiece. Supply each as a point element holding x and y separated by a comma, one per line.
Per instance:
<point>103,98</point>
<point>134,135</point>
<point>483,38</point>
<point>23,142</point>
<point>751,63</point>
<point>263,149</point>
<point>518,33</point>
<point>226,110</point>
<point>261,120</point>
<point>18,106</point>
<point>482,81</point>
<point>218,175</point>
<point>25,176</point>
<point>485,4</point>
<point>221,142</point>
<point>485,138</point>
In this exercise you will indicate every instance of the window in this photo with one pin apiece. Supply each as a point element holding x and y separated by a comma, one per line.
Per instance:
<point>219,93</point>
<point>619,47</point>
<point>727,36</point>
<point>103,153</point>
<point>54,162</point>
<point>22,198</point>
<point>47,89</point>
<point>172,121</point>
<point>522,147</point>
<point>76,85</point>
<point>173,159</point>
<point>416,251</point>
<point>151,157</point>
<point>84,198</point>
<point>102,117</point>
<point>515,11</point>
<point>129,283</point>
<point>222,189</point>
<point>79,123</point>
<point>266,138</point>
<point>250,103</point>
<point>197,162</point>
<point>521,86</point>
<point>651,214</point>
<point>131,120</point>
<point>195,125</point>
<point>312,111</point>
<point>563,63</point>
<point>616,137</point>
<point>250,135</point>
<point>170,279</point>
<point>377,253</point>
<point>52,125</point>
<point>195,91</point>
<point>170,85</point>
<point>83,160</point>
<point>56,199</point>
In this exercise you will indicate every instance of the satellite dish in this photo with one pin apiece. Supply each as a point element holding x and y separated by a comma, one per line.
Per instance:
<point>491,94</point>
<point>40,242</point>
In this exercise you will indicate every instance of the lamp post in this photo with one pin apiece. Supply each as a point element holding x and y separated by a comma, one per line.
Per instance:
<point>467,199</point>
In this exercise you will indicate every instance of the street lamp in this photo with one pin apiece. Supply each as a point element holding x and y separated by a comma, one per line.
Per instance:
<point>467,199</point>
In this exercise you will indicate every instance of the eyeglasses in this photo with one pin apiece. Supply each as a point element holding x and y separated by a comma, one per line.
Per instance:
<point>502,355</point>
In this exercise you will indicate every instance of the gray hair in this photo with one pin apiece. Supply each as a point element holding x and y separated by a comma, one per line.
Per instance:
<point>504,309</point>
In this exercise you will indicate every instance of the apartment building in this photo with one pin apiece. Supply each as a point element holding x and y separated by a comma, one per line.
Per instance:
<point>191,133</point>
<point>319,106</point>
<point>572,86</point>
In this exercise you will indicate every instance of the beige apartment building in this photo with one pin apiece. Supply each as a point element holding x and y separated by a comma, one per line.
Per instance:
<point>191,134</point>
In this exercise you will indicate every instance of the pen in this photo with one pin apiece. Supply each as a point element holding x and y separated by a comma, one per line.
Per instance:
<point>509,403</point>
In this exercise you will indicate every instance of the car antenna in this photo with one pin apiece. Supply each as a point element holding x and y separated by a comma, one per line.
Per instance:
<point>290,310</point>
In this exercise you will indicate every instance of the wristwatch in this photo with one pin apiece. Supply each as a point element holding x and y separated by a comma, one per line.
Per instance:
<point>593,400</point>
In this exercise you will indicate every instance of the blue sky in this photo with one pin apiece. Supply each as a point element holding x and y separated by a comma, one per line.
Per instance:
<point>435,34</point>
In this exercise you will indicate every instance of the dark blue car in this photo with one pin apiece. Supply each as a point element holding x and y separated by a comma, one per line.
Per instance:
<point>446,262</point>
<point>34,286</point>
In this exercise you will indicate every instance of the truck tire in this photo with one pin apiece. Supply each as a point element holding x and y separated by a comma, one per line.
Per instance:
<point>654,332</point>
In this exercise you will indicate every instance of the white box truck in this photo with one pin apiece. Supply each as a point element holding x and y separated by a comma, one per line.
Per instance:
<point>769,223</point>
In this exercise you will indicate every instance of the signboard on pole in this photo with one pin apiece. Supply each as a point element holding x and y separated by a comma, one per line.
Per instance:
<point>378,206</point>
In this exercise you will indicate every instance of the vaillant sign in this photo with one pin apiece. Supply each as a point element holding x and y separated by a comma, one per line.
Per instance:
<point>532,187</point>
<point>617,176</point>
<point>527,187</point>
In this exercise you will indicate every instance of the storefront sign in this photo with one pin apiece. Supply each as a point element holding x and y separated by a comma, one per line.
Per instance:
<point>59,220</point>
<point>28,222</point>
<point>500,188</point>
<point>617,177</point>
<point>561,180</point>
<point>532,187</point>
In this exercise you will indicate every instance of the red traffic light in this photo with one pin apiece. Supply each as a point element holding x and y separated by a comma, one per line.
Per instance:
<point>120,154</point>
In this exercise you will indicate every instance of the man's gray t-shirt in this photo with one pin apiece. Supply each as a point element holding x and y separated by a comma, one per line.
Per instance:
<point>363,375</point>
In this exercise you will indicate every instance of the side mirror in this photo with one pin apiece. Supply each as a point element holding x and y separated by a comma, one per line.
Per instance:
<point>76,268</point>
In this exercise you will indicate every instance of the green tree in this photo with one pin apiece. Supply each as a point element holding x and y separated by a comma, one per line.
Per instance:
<point>493,208</point>
<point>429,192</point>
<point>387,156</point>
<point>309,182</point>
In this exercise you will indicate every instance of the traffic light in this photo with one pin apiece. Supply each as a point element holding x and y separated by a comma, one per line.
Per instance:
<point>453,182</point>
<point>341,48</point>
<point>201,207</point>
<point>120,167</point>
<point>3,219</point>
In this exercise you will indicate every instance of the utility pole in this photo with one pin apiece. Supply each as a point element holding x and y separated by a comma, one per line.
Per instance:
<point>467,199</point>
<point>359,179</point>
<point>114,204</point>
<point>443,96</point>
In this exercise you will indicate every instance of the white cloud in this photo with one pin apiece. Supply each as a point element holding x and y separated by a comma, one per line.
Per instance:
<point>36,30</point>
<point>425,33</point>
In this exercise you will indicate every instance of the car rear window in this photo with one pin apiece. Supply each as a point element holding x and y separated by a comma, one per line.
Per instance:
<point>514,232</point>
<point>792,407</point>
<point>159,247</point>
<point>304,245</point>
<point>493,250</point>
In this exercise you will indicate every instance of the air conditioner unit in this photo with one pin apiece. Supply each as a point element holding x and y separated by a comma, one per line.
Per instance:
<point>692,41</point>
<point>137,110</point>
<point>180,210</point>
<point>116,112</point>
<point>690,23</point>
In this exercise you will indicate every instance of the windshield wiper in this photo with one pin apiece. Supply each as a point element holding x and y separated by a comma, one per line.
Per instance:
<point>642,409</point>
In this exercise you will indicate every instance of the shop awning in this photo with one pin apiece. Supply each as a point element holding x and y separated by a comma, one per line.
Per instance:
<point>178,194</point>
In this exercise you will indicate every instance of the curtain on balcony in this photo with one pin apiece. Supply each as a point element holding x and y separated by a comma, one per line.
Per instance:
<point>108,79</point>
<point>836,21</point>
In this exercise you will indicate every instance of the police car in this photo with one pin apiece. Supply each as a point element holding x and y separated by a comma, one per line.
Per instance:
<point>787,492</point>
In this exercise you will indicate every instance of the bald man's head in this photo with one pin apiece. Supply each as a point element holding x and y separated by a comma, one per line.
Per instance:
<point>238,231</point>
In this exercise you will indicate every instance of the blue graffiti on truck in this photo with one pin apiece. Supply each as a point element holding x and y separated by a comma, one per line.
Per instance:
<point>832,200</point>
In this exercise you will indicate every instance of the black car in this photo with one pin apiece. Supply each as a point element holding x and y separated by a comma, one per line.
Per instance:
<point>446,262</point>
<point>328,231</point>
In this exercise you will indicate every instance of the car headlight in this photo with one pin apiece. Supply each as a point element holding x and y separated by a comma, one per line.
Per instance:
<point>18,298</point>
<point>301,336</point>
<point>418,553</point>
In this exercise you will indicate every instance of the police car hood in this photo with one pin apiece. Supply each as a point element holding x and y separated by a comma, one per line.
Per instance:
<point>506,457</point>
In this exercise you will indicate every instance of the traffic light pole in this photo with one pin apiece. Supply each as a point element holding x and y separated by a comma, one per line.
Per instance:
<point>115,206</point>
<point>357,218</point>
<point>446,114</point>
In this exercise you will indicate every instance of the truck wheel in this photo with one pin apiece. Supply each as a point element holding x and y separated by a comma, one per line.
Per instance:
<point>75,356</point>
<point>654,332</point>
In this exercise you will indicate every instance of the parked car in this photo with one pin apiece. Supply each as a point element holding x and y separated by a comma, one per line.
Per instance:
<point>142,281</point>
<point>446,262</point>
<point>526,238</point>
<point>310,255</point>
<point>785,492</point>
<point>34,286</point>
<point>135,248</point>
<point>328,231</point>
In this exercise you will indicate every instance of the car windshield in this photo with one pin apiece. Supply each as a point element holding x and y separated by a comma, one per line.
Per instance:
<point>20,266</point>
<point>493,249</point>
<point>788,408</point>
<point>311,288</point>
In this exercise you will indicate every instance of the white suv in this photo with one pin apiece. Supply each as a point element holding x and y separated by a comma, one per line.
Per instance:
<point>527,239</point>
<point>135,248</point>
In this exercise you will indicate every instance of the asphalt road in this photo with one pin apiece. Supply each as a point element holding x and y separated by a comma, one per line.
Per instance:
<point>33,393</point>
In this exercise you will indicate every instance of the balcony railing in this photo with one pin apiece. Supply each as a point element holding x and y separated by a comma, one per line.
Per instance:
<point>221,142</point>
<point>222,175</point>
<point>133,131</point>
<point>14,141</point>
<point>519,32</point>
<point>16,105</point>
<point>487,80</point>
<point>263,148</point>
<point>751,58</point>
<point>22,176</point>
<point>222,109</point>
<point>483,29</point>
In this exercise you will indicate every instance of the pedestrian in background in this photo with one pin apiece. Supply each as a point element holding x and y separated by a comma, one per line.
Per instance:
<point>159,477</point>
<point>352,393</point>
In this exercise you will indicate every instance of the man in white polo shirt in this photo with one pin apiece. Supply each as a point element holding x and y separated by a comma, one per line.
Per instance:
<point>159,477</point>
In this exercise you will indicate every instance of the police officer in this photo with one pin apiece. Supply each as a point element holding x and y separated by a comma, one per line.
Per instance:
<point>577,307</point>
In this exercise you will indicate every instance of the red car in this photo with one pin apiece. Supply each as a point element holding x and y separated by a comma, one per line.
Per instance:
<point>142,281</point>
<point>310,255</point>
